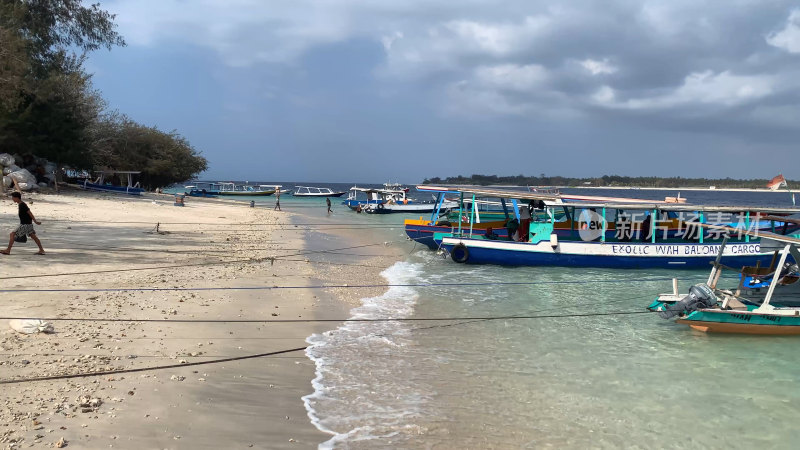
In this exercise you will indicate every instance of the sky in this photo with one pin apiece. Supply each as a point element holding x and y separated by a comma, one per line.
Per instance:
<point>402,90</point>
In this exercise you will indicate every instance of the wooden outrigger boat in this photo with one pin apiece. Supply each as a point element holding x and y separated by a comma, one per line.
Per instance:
<point>491,216</point>
<point>229,189</point>
<point>769,307</point>
<point>608,234</point>
<point>101,185</point>
<point>310,191</point>
<point>359,198</point>
<point>387,201</point>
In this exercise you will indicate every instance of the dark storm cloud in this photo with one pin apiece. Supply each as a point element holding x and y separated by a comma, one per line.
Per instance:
<point>622,72</point>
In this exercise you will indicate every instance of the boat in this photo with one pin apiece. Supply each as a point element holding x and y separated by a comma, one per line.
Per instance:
<point>490,216</point>
<point>386,201</point>
<point>494,216</point>
<point>544,190</point>
<point>395,187</point>
<point>310,191</point>
<point>613,235</point>
<point>406,206</point>
<point>771,307</point>
<point>101,184</point>
<point>195,191</point>
<point>359,198</point>
<point>229,189</point>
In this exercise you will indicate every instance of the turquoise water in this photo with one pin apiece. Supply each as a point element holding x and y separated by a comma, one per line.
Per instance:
<point>607,381</point>
<point>557,382</point>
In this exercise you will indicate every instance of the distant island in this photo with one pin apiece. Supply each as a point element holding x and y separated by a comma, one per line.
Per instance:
<point>606,181</point>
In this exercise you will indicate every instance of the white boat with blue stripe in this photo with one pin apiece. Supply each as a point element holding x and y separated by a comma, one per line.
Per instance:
<point>666,235</point>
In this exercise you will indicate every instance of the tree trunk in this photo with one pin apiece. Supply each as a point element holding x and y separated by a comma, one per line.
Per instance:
<point>57,176</point>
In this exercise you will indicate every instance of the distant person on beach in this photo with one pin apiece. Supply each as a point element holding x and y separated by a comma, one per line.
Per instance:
<point>328,201</point>
<point>278,200</point>
<point>25,228</point>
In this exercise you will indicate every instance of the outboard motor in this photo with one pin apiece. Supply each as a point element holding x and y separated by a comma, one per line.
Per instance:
<point>700,296</point>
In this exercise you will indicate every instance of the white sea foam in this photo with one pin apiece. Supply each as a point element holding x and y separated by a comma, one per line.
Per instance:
<point>360,391</point>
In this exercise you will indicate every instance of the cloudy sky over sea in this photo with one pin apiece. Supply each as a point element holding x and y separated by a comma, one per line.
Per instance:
<point>351,90</point>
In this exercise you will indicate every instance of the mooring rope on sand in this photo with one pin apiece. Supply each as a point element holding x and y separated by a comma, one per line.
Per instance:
<point>465,320</point>
<point>352,286</point>
<point>228,224</point>
<point>390,319</point>
<point>209,263</point>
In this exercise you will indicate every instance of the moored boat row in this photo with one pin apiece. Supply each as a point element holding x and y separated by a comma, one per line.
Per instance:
<point>547,230</point>
<point>510,228</point>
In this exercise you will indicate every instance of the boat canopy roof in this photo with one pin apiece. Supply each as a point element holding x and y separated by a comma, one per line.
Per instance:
<point>382,191</point>
<point>607,202</point>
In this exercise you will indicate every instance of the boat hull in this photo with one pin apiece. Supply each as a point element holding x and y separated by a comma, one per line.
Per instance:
<point>354,204</point>
<point>194,193</point>
<point>335,194</point>
<point>410,208</point>
<point>211,194</point>
<point>112,189</point>
<point>423,233</point>
<point>719,321</point>
<point>243,194</point>
<point>607,255</point>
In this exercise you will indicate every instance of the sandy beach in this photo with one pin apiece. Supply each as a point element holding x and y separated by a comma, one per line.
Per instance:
<point>205,253</point>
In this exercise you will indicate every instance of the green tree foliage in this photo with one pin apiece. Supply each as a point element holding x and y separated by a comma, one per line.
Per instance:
<point>119,143</point>
<point>48,102</point>
<point>53,121</point>
<point>14,66</point>
<point>604,181</point>
<point>49,108</point>
<point>54,27</point>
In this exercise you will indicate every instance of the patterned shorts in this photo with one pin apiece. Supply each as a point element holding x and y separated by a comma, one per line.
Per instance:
<point>25,229</point>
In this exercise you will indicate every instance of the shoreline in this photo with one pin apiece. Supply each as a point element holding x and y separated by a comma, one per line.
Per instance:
<point>764,190</point>
<point>246,403</point>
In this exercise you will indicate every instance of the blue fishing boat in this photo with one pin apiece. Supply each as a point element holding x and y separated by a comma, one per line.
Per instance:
<point>101,184</point>
<point>360,198</point>
<point>770,307</point>
<point>646,235</point>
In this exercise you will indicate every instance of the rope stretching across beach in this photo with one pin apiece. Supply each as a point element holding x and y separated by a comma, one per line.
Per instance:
<point>465,320</point>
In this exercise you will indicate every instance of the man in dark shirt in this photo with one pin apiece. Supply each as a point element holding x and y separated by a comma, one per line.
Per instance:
<point>25,228</point>
<point>328,201</point>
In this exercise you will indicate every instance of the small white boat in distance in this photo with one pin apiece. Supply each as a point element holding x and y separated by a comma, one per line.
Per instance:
<point>310,191</point>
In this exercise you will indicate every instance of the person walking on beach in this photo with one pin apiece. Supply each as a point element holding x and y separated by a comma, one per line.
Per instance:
<point>328,201</point>
<point>278,200</point>
<point>25,228</point>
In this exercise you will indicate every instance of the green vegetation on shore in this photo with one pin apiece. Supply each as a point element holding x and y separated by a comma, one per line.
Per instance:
<point>604,181</point>
<point>49,108</point>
